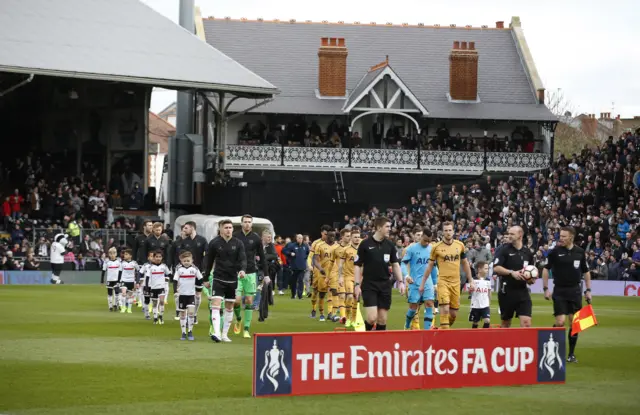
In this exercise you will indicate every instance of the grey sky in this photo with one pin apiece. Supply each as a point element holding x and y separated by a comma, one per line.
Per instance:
<point>587,48</point>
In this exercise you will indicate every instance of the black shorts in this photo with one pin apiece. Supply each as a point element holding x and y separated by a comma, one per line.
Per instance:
<point>477,314</point>
<point>377,294</point>
<point>56,269</point>
<point>224,290</point>
<point>186,300</point>
<point>156,292</point>
<point>566,300</point>
<point>128,285</point>
<point>516,303</point>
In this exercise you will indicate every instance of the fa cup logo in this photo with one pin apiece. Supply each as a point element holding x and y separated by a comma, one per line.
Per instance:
<point>551,356</point>
<point>273,364</point>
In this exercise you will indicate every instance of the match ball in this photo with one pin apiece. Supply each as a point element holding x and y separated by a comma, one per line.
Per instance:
<point>530,273</point>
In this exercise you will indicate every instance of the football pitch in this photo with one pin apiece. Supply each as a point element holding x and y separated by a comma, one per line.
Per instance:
<point>63,352</point>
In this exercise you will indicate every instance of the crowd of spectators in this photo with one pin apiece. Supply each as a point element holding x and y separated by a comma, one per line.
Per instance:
<point>337,135</point>
<point>41,197</point>
<point>596,191</point>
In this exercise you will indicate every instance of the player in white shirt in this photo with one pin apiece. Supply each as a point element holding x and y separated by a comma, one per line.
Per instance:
<point>128,281</point>
<point>481,297</point>
<point>111,269</point>
<point>188,278</point>
<point>156,279</point>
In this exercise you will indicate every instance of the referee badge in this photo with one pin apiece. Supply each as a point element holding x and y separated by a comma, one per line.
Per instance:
<point>576,264</point>
<point>387,257</point>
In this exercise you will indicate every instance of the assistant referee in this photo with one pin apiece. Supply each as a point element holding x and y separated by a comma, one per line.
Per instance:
<point>371,275</point>
<point>568,264</point>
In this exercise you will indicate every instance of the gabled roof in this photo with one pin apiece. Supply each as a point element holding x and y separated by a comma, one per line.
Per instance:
<point>114,40</point>
<point>371,79</point>
<point>287,54</point>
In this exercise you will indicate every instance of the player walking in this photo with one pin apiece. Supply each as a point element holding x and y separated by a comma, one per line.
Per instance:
<point>448,255</point>
<point>247,286</point>
<point>197,246</point>
<point>226,256</point>
<point>189,278</point>
<point>346,277</point>
<point>416,258</point>
<point>128,281</point>
<point>568,264</point>
<point>323,262</point>
<point>481,298</point>
<point>336,291</point>
<point>315,272</point>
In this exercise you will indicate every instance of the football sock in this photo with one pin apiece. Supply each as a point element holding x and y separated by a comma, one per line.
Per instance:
<point>215,321</point>
<point>409,318</point>
<point>155,308</point>
<point>474,326</point>
<point>161,307</point>
<point>573,340</point>
<point>367,326</point>
<point>190,320</point>
<point>228,318</point>
<point>444,321</point>
<point>486,325</point>
<point>321,305</point>
<point>381,327</point>
<point>428,317</point>
<point>329,303</point>
<point>198,301</point>
<point>341,307</point>
<point>347,306</point>
<point>183,324</point>
<point>452,320</point>
<point>109,301</point>
<point>354,309</point>
<point>237,310</point>
<point>314,300</point>
<point>248,315</point>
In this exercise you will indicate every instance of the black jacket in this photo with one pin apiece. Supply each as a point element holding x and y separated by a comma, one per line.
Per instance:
<point>253,249</point>
<point>139,249</point>
<point>153,244</point>
<point>228,257</point>
<point>197,246</point>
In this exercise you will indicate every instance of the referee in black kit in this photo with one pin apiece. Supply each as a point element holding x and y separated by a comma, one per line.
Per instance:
<point>197,245</point>
<point>513,294</point>
<point>371,275</point>
<point>568,264</point>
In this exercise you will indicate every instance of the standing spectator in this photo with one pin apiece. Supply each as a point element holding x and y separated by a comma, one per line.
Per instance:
<point>297,253</point>
<point>16,201</point>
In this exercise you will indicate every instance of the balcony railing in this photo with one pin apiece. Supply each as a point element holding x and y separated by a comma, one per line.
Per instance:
<point>379,160</point>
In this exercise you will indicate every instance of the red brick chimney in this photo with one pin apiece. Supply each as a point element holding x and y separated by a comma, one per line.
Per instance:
<point>589,125</point>
<point>541,96</point>
<point>499,25</point>
<point>332,67</point>
<point>463,71</point>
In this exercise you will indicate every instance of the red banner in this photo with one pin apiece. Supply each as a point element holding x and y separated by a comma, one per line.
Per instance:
<point>326,363</point>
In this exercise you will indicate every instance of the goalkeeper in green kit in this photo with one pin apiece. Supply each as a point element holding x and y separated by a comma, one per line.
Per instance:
<point>247,286</point>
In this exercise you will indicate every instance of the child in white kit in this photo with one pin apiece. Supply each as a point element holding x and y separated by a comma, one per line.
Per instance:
<point>481,297</point>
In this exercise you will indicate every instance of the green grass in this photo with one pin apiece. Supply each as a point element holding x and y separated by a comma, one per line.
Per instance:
<point>62,352</point>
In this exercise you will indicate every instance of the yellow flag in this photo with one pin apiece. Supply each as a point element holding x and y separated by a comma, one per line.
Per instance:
<point>359,325</point>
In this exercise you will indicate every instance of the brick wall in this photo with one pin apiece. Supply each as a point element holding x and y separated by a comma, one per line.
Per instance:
<point>463,71</point>
<point>332,70</point>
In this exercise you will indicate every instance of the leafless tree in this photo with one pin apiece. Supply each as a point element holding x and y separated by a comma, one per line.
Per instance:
<point>569,136</point>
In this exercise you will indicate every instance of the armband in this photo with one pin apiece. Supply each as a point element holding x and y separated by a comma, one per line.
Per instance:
<point>545,288</point>
<point>356,284</point>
